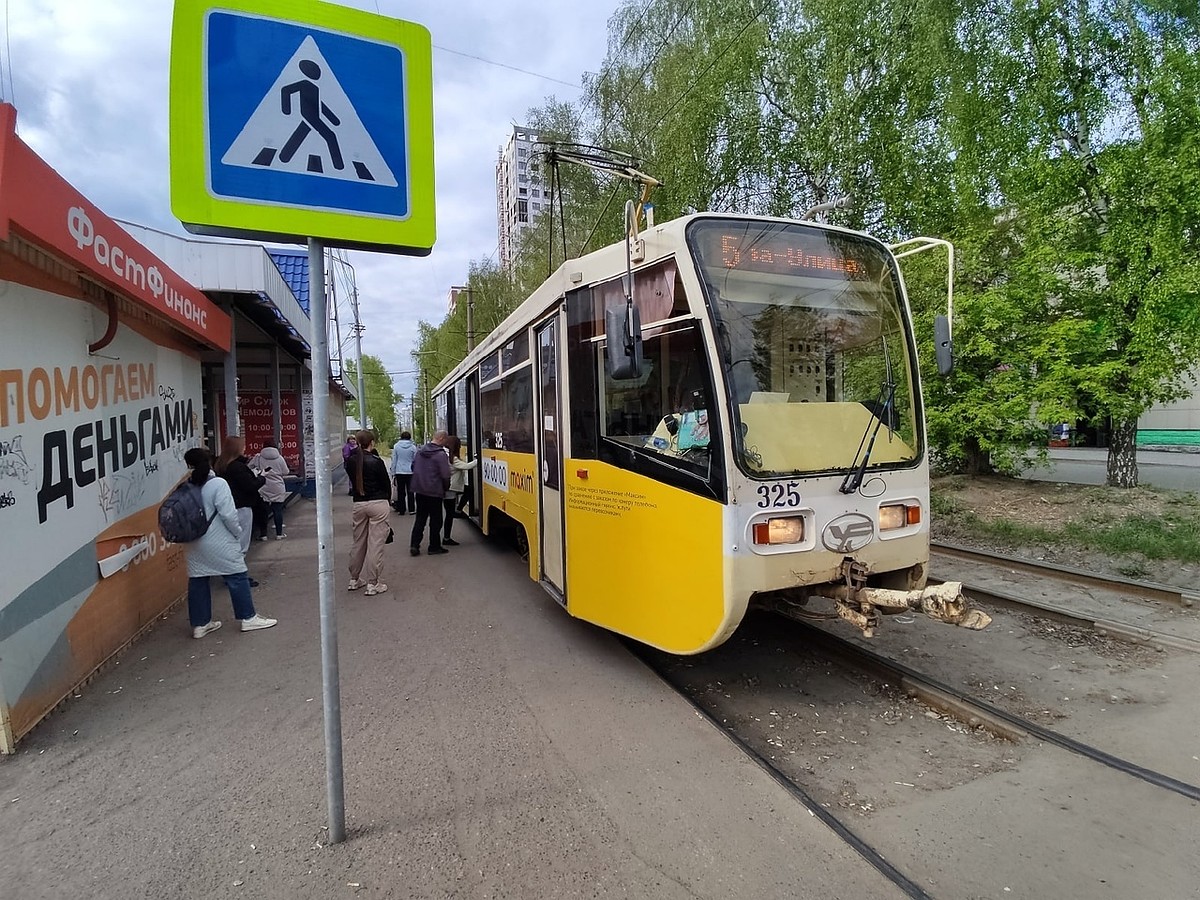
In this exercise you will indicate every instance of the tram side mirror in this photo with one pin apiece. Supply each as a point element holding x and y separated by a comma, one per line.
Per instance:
<point>623,334</point>
<point>943,345</point>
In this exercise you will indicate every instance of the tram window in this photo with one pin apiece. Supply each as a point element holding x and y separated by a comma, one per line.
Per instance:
<point>489,368</point>
<point>658,422</point>
<point>665,412</point>
<point>506,412</point>
<point>460,423</point>
<point>581,367</point>
<point>515,352</point>
<point>440,418</point>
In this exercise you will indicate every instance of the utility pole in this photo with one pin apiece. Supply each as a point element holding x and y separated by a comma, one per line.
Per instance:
<point>454,292</point>
<point>358,329</point>
<point>331,696</point>
<point>470,320</point>
<point>423,386</point>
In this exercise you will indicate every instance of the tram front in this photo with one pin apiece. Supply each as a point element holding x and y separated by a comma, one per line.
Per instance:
<point>828,472</point>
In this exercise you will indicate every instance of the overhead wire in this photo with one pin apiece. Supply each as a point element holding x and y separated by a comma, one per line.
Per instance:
<point>492,62</point>
<point>654,57</point>
<point>663,43</point>
<point>696,81</point>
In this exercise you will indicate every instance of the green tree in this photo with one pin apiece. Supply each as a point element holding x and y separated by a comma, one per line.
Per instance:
<point>1106,189</point>
<point>381,397</point>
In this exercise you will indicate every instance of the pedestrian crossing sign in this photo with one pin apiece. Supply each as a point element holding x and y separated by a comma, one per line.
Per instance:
<point>293,119</point>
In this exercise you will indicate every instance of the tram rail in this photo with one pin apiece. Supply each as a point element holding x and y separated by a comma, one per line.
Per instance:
<point>975,712</point>
<point>1126,586</point>
<point>869,853</point>
<point>1110,627</point>
<point>1123,631</point>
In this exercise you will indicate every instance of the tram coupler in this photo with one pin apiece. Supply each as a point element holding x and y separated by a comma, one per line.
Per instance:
<point>943,602</point>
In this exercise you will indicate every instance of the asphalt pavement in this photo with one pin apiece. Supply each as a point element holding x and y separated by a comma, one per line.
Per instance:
<point>494,747</point>
<point>1177,471</point>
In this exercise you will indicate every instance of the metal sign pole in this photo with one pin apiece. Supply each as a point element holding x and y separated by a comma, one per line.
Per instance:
<point>330,687</point>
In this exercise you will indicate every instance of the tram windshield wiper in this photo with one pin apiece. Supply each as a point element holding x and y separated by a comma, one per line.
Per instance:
<point>854,478</point>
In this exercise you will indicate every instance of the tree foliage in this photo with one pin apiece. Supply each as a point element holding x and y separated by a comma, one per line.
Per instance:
<point>1055,142</point>
<point>381,397</point>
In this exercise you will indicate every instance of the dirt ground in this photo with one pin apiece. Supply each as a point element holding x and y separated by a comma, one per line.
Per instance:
<point>930,792</point>
<point>925,788</point>
<point>1053,506</point>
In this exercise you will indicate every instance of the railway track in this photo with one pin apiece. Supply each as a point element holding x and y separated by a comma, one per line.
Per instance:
<point>975,712</point>
<point>949,701</point>
<point>1121,587</point>
<point>838,825</point>
<point>1125,586</point>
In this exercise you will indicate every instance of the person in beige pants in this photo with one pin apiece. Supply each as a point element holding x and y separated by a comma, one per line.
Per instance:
<point>372,491</point>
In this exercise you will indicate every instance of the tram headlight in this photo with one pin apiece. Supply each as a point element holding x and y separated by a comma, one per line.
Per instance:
<point>899,515</point>
<point>787,530</point>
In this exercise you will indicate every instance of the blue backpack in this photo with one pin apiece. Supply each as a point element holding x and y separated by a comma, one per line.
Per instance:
<point>181,517</point>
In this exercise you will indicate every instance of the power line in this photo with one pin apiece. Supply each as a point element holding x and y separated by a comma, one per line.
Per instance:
<point>707,68</point>
<point>641,73</point>
<point>630,32</point>
<point>492,62</point>
<point>663,43</point>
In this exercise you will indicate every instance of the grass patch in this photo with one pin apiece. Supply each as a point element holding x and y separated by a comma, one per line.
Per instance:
<point>1139,524</point>
<point>942,504</point>
<point>1006,530</point>
<point>1163,537</point>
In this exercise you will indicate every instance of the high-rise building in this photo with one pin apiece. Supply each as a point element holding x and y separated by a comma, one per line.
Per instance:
<point>522,190</point>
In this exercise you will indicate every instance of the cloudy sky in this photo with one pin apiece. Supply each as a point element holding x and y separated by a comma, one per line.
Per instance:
<point>89,79</point>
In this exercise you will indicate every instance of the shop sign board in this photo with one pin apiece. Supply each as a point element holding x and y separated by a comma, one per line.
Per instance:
<point>256,415</point>
<point>293,120</point>
<point>42,204</point>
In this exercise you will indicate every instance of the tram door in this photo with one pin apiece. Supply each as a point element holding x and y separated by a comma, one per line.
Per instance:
<point>469,430</point>
<point>550,453</point>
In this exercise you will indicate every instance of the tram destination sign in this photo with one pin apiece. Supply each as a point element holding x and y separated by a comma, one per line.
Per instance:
<point>293,120</point>
<point>784,250</point>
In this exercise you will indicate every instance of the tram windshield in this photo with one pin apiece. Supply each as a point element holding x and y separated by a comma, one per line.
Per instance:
<point>811,333</point>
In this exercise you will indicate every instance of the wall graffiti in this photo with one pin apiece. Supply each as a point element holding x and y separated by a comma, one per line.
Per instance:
<point>13,463</point>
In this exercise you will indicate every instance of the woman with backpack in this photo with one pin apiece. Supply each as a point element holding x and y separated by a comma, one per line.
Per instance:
<point>372,492</point>
<point>217,552</point>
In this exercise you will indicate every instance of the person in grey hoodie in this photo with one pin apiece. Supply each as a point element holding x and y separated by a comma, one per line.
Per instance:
<point>430,481</point>
<point>271,465</point>
<point>402,467</point>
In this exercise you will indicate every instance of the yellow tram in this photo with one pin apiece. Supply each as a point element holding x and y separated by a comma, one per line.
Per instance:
<point>717,411</point>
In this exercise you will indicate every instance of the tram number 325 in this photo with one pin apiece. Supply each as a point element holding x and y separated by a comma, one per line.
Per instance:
<point>776,495</point>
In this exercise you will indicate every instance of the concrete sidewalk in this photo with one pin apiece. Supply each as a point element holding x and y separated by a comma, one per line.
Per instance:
<point>494,747</point>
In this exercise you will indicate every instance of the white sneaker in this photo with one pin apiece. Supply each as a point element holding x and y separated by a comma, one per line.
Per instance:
<point>355,584</point>
<point>278,537</point>
<point>377,588</point>
<point>262,537</point>
<point>201,630</point>
<point>257,622</point>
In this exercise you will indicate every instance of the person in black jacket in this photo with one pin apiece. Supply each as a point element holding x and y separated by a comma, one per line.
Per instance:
<point>243,484</point>
<point>233,466</point>
<point>372,491</point>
